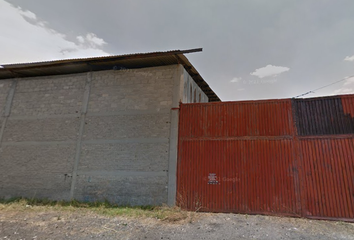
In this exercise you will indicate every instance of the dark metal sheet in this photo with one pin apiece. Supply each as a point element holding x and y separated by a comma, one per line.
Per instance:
<point>324,116</point>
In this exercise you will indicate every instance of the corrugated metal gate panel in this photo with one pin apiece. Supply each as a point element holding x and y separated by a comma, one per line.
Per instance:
<point>348,105</point>
<point>248,157</point>
<point>328,167</point>
<point>246,176</point>
<point>233,119</point>
<point>237,157</point>
<point>325,127</point>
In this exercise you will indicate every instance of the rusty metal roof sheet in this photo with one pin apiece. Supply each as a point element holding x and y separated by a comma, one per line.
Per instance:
<point>129,61</point>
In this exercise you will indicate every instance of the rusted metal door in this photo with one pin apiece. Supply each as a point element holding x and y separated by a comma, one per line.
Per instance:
<point>325,133</point>
<point>279,157</point>
<point>328,166</point>
<point>238,157</point>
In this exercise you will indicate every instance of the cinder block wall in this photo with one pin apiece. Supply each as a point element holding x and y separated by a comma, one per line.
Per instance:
<point>39,134</point>
<point>191,91</point>
<point>125,142</point>
<point>107,135</point>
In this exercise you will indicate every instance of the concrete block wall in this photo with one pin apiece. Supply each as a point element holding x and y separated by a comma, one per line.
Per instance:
<point>107,135</point>
<point>125,142</point>
<point>40,123</point>
<point>191,91</point>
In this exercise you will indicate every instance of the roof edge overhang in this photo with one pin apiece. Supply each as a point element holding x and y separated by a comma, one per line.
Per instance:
<point>116,62</point>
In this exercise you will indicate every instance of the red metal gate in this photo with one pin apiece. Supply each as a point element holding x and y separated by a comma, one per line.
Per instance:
<point>253,157</point>
<point>325,138</point>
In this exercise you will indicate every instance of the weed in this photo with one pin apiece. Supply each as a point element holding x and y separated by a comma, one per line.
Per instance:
<point>164,213</point>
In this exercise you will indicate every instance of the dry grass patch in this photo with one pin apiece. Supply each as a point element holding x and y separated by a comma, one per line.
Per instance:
<point>163,213</point>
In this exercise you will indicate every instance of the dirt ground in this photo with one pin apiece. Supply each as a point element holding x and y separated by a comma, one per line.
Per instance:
<point>79,224</point>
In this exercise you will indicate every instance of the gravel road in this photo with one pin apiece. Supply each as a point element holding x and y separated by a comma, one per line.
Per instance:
<point>87,225</point>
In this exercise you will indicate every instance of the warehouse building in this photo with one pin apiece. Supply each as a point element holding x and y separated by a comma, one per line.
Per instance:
<point>95,129</point>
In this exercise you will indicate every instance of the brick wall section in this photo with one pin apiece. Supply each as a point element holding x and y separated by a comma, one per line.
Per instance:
<point>49,96</point>
<point>126,137</point>
<point>39,140</point>
<point>119,157</point>
<point>140,89</point>
<point>36,170</point>
<point>4,89</point>
<point>131,125</point>
<point>45,129</point>
<point>191,92</point>
<point>122,152</point>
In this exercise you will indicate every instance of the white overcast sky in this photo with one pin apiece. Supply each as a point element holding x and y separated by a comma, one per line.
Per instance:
<point>252,49</point>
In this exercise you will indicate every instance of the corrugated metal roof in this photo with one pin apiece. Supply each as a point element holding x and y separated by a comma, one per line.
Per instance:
<point>128,61</point>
